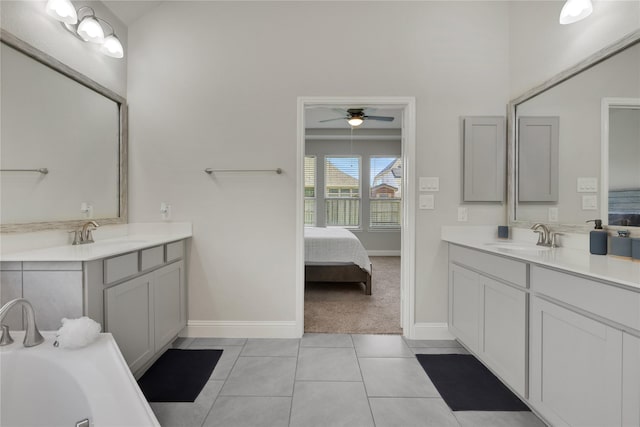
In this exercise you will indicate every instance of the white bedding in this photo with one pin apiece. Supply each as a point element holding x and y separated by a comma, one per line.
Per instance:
<point>334,245</point>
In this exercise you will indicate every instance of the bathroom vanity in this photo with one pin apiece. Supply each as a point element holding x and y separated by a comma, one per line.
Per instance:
<point>135,286</point>
<point>559,326</point>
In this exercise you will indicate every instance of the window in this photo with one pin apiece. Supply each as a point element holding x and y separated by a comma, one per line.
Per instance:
<point>342,190</point>
<point>385,196</point>
<point>310,190</point>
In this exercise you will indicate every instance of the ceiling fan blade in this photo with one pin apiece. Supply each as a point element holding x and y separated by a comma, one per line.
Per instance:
<point>331,120</point>
<point>380,118</point>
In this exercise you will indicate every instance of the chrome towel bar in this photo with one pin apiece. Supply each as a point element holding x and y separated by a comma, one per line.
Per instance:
<point>210,170</point>
<point>43,171</point>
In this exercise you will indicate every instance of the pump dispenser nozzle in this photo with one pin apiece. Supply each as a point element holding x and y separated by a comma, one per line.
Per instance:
<point>598,223</point>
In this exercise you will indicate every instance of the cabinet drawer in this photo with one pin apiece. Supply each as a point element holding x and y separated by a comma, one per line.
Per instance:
<point>120,267</point>
<point>151,257</point>
<point>175,250</point>
<point>605,300</point>
<point>493,265</point>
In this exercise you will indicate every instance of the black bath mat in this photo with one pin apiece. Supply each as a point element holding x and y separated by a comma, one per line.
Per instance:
<point>178,375</point>
<point>467,385</point>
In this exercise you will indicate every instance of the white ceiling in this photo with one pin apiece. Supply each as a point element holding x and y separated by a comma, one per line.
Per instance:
<point>129,11</point>
<point>313,116</point>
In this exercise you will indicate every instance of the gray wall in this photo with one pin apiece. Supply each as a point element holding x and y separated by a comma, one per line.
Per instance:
<point>376,240</point>
<point>215,84</point>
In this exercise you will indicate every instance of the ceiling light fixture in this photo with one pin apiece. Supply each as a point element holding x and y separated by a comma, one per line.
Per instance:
<point>355,120</point>
<point>575,10</point>
<point>84,24</point>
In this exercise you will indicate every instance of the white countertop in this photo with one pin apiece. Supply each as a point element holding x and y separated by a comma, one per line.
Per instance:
<point>136,239</point>
<point>621,271</point>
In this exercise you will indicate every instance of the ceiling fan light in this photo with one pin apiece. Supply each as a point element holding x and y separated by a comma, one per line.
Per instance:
<point>90,30</point>
<point>575,10</point>
<point>355,121</point>
<point>62,10</point>
<point>112,47</point>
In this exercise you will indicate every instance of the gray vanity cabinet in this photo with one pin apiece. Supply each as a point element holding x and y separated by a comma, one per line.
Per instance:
<point>538,145</point>
<point>585,350</point>
<point>129,317</point>
<point>147,309</point>
<point>485,154</point>
<point>488,311</point>
<point>138,296</point>
<point>144,314</point>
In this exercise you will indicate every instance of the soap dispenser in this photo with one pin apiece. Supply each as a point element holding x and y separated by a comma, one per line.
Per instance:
<point>598,238</point>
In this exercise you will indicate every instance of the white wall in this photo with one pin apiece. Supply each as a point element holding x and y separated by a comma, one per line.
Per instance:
<point>28,21</point>
<point>215,84</point>
<point>540,47</point>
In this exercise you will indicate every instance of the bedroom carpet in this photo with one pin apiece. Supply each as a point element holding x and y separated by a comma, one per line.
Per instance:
<point>344,308</point>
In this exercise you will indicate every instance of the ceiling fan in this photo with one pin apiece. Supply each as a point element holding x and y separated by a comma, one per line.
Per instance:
<point>357,116</point>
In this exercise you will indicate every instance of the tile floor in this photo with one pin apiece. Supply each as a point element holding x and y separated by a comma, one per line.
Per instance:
<point>325,380</point>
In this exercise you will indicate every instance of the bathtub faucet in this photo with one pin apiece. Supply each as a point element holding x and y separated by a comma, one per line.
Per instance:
<point>32,335</point>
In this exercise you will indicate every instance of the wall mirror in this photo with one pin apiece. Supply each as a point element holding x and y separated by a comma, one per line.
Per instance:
<point>63,143</point>
<point>569,155</point>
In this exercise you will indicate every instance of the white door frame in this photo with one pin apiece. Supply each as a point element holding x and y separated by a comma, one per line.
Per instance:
<point>606,105</point>
<point>408,288</point>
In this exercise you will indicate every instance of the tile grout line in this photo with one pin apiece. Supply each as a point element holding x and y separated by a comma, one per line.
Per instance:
<point>364,385</point>
<point>295,373</point>
<point>223,384</point>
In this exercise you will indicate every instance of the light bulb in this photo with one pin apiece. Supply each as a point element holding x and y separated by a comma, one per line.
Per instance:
<point>575,10</point>
<point>112,47</point>
<point>355,121</point>
<point>90,30</point>
<point>62,10</point>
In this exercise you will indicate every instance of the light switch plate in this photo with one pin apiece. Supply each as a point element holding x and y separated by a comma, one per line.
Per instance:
<point>587,185</point>
<point>463,214</point>
<point>426,201</point>
<point>553,214</point>
<point>429,183</point>
<point>589,203</point>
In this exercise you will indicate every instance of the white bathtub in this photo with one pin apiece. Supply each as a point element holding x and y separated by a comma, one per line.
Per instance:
<point>49,386</point>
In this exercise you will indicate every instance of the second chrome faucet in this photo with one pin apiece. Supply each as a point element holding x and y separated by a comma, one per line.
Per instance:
<point>546,237</point>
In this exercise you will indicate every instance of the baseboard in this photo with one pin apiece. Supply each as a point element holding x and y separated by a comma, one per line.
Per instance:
<point>432,331</point>
<point>240,329</point>
<point>384,253</point>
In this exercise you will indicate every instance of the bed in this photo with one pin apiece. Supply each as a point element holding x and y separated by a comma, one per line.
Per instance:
<point>335,255</point>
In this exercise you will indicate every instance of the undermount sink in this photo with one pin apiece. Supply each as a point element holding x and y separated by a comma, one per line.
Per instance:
<point>518,247</point>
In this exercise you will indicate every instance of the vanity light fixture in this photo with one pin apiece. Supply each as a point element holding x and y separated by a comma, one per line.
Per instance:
<point>84,24</point>
<point>575,10</point>
<point>62,10</point>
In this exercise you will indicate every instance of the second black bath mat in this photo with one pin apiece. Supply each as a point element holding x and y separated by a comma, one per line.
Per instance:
<point>467,385</point>
<point>178,375</point>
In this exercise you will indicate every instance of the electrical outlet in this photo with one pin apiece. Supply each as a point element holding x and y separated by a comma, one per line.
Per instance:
<point>463,214</point>
<point>553,214</point>
<point>589,203</point>
<point>587,185</point>
<point>165,210</point>
<point>429,183</point>
<point>426,201</point>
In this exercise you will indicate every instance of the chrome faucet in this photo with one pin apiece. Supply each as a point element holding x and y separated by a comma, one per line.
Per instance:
<point>544,235</point>
<point>83,236</point>
<point>32,335</point>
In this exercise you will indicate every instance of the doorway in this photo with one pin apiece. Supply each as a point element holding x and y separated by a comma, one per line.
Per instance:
<point>406,107</point>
